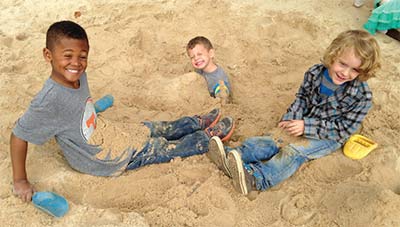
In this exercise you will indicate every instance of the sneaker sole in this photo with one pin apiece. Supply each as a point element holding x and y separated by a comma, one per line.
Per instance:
<point>228,136</point>
<point>237,172</point>
<point>216,153</point>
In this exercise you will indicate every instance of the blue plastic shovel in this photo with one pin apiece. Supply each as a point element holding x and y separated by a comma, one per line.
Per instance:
<point>51,203</point>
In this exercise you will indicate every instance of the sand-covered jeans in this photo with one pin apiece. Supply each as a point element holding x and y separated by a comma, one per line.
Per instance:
<point>170,139</point>
<point>270,165</point>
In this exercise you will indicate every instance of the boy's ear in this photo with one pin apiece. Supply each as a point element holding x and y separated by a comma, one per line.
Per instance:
<point>212,53</point>
<point>47,54</point>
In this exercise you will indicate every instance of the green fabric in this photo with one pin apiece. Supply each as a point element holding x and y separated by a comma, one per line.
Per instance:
<point>384,17</point>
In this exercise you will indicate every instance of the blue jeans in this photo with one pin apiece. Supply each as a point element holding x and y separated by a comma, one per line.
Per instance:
<point>170,139</point>
<point>271,165</point>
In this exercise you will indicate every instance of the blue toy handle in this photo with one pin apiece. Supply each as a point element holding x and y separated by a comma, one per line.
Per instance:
<point>103,103</point>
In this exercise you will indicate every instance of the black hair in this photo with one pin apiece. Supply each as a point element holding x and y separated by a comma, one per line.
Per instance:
<point>64,29</point>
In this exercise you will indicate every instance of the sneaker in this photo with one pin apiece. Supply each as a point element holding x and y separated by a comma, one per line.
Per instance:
<point>210,119</point>
<point>243,181</point>
<point>394,33</point>
<point>223,129</point>
<point>216,153</point>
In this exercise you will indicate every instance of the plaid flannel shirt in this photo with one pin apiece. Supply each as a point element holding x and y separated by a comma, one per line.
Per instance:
<point>336,117</point>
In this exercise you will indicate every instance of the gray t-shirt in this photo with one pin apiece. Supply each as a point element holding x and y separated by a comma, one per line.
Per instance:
<point>213,80</point>
<point>69,115</point>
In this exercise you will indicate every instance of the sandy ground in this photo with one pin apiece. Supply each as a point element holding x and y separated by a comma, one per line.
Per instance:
<point>138,55</point>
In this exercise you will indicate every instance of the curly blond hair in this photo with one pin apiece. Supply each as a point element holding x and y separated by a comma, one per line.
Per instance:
<point>364,46</point>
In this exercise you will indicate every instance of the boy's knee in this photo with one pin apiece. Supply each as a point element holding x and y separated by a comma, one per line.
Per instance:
<point>157,143</point>
<point>291,150</point>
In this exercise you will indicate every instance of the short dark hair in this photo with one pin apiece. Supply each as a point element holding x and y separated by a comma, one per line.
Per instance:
<point>199,40</point>
<point>64,29</point>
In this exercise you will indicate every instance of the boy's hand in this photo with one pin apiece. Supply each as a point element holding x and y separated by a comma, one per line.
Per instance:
<point>293,127</point>
<point>283,124</point>
<point>24,190</point>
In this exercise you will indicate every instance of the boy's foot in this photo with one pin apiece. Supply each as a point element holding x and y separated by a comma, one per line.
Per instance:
<point>223,129</point>
<point>393,33</point>
<point>216,153</point>
<point>243,181</point>
<point>210,119</point>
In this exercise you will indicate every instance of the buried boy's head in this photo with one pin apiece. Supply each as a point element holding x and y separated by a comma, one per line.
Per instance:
<point>201,53</point>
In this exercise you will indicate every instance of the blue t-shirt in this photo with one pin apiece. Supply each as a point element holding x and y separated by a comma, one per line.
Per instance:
<point>327,87</point>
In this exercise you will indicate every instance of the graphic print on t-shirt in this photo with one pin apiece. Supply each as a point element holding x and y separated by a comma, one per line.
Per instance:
<point>89,119</point>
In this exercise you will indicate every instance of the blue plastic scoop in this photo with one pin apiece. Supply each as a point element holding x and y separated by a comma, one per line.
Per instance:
<point>51,203</point>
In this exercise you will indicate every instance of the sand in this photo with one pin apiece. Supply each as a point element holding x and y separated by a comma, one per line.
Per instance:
<point>138,55</point>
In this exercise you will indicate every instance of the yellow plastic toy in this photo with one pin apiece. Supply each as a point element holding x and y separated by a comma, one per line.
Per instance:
<point>358,146</point>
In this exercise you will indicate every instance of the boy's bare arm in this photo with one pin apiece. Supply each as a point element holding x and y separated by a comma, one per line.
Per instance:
<point>18,150</point>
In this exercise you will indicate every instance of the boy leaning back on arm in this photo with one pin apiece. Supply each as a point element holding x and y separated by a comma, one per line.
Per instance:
<point>64,109</point>
<point>329,107</point>
<point>201,53</point>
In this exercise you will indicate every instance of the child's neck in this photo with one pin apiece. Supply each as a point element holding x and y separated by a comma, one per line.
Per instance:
<point>211,67</point>
<point>73,85</point>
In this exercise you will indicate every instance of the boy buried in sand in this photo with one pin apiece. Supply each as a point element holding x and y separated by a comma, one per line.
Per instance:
<point>64,109</point>
<point>201,54</point>
<point>330,105</point>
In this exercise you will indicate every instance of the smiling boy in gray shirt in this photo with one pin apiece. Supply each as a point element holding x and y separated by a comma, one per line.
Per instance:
<point>64,109</point>
<point>201,54</point>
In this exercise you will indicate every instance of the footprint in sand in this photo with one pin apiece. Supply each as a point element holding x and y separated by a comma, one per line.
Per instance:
<point>333,169</point>
<point>21,36</point>
<point>297,210</point>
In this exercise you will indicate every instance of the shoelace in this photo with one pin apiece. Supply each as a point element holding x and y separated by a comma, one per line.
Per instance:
<point>217,130</point>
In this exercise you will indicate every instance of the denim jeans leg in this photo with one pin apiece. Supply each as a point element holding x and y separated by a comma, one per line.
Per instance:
<point>159,149</point>
<point>173,130</point>
<point>285,163</point>
<point>256,149</point>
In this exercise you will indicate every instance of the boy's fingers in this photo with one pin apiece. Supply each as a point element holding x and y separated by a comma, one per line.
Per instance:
<point>21,195</point>
<point>24,194</point>
<point>298,134</point>
<point>291,127</point>
<point>30,193</point>
<point>24,198</point>
<point>29,197</point>
<point>283,124</point>
<point>295,131</point>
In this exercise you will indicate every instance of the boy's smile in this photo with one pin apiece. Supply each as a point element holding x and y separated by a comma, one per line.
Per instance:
<point>201,58</point>
<point>68,60</point>
<point>345,68</point>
